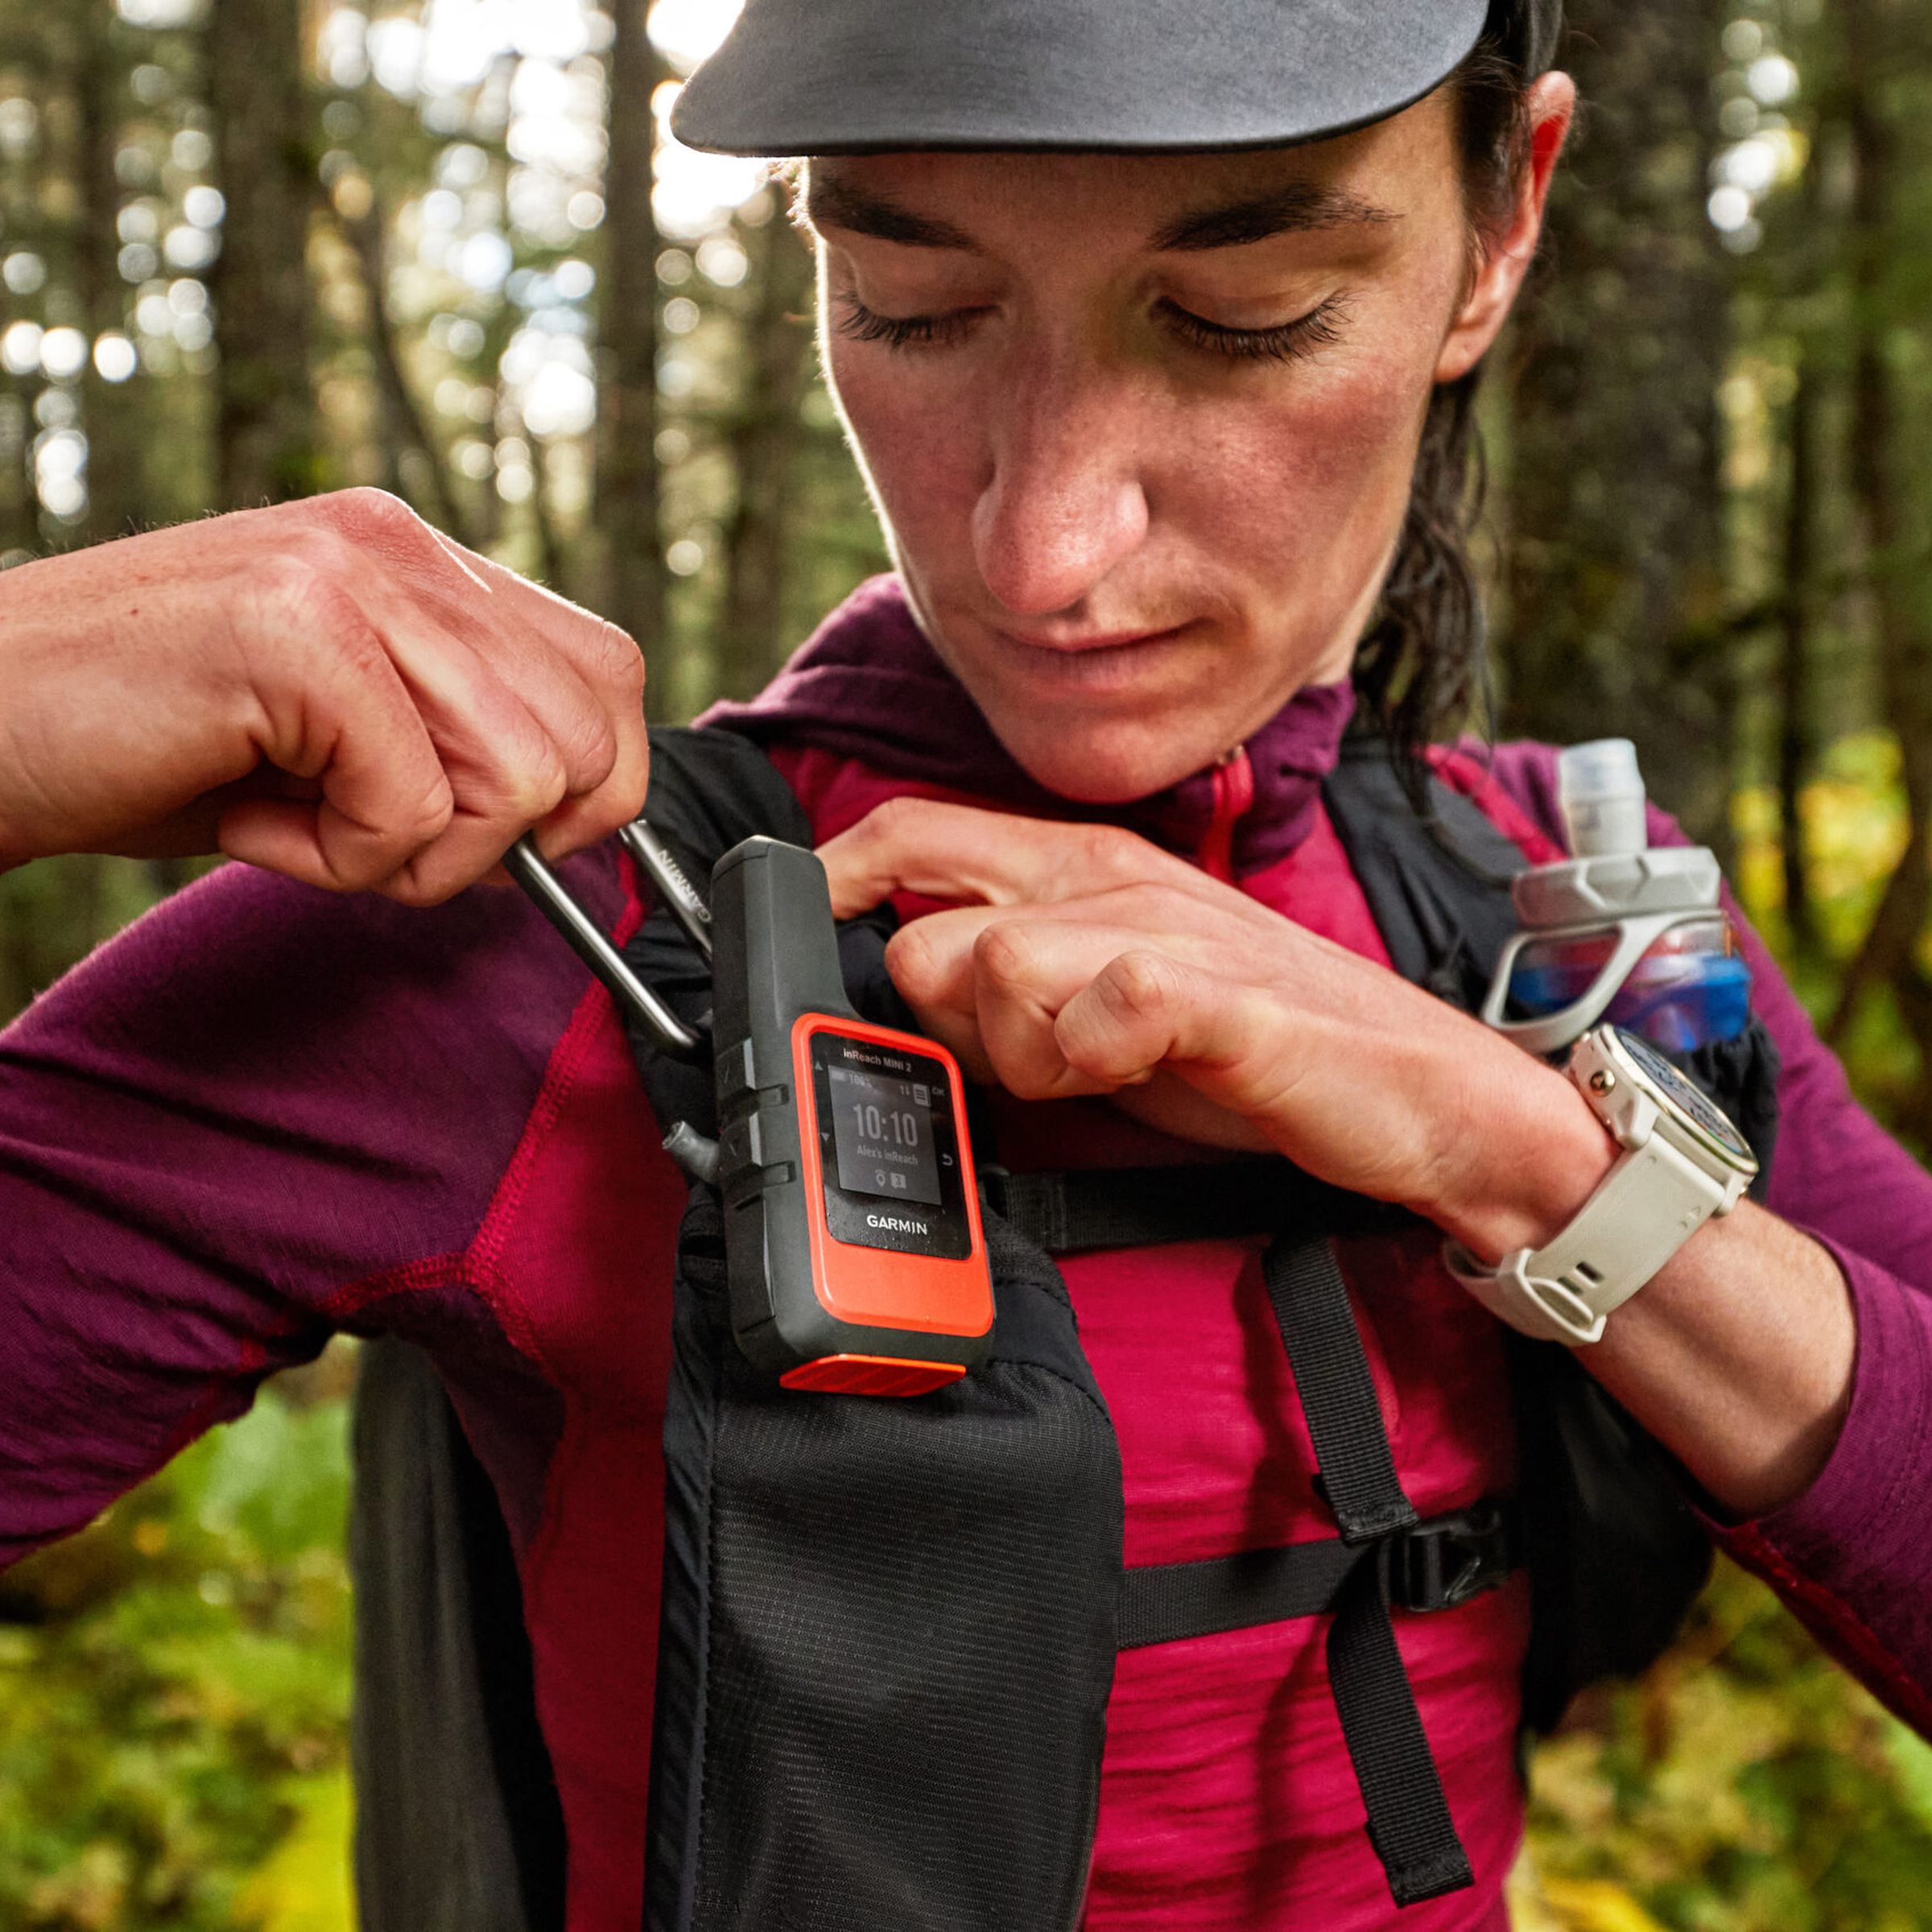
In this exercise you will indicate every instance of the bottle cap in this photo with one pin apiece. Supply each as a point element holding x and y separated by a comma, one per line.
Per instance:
<point>1601,793</point>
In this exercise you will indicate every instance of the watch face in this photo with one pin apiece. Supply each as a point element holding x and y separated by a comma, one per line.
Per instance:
<point>1686,1100</point>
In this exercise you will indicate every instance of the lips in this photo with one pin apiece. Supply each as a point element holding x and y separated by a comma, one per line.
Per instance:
<point>1080,646</point>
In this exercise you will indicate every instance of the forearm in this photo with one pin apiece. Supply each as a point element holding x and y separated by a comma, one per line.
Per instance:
<point>1738,1358</point>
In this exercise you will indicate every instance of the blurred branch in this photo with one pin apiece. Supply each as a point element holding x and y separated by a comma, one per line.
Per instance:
<point>554,554</point>
<point>114,450</point>
<point>1797,729</point>
<point>366,230</point>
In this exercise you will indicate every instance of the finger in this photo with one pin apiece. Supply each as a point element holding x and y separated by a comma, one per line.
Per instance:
<point>1146,1008</point>
<point>339,712</point>
<point>508,769</point>
<point>610,744</point>
<point>1018,992</point>
<point>495,771</point>
<point>968,856</point>
<point>604,657</point>
<point>582,822</point>
<point>932,959</point>
<point>578,675</point>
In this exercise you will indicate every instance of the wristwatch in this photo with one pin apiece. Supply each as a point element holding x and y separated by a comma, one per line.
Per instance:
<point>1682,1163</point>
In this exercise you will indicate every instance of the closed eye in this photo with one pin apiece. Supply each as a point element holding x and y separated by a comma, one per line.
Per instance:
<point>1280,342</point>
<point>864,325</point>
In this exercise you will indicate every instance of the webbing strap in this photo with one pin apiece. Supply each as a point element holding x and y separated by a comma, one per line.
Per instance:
<point>1408,1821</point>
<point>1438,1565</point>
<point>1338,1394</point>
<point>1162,1603</point>
<point>1075,1210</point>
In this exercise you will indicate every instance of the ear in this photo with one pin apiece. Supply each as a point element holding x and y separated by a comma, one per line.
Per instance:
<point>1492,291</point>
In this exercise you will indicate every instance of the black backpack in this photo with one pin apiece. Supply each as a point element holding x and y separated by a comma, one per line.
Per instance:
<point>889,1627</point>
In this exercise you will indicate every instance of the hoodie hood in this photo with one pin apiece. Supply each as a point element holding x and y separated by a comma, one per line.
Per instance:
<point>868,685</point>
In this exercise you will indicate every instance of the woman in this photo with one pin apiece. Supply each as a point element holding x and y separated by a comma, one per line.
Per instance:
<point>1154,331</point>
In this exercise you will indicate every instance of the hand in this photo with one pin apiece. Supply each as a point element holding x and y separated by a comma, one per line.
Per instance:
<point>330,689</point>
<point>1081,959</point>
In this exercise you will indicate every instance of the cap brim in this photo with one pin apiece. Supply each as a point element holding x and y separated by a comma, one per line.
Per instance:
<point>867,76</point>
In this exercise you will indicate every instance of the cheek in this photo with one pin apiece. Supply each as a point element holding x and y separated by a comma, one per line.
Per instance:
<point>1307,483</point>
<point>919,440</point>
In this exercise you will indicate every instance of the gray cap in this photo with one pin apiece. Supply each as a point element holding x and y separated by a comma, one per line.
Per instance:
<point>858,76</point>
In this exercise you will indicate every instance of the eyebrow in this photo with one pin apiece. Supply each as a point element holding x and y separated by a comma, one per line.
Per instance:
<point>828,200</point>
<point>1300,207</point>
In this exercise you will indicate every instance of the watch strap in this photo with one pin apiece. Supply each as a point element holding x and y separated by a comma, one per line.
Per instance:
<point>1643,1210</point>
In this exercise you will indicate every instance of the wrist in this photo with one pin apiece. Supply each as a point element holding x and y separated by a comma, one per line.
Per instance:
<point>1539,1156</point>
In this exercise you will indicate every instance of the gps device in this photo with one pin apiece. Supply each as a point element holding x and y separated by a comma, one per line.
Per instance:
<point>853,1249</point>
<point>851,1222</point>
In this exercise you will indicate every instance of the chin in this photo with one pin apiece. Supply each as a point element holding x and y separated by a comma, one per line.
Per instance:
<point>1096,762</point>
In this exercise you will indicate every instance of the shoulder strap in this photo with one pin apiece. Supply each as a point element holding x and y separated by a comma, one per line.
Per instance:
<point>1066,1210</point>
<point>709,788</point>
<point>1437,883</point>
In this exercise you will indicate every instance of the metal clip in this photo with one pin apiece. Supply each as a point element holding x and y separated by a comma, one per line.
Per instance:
<point>525,865</point>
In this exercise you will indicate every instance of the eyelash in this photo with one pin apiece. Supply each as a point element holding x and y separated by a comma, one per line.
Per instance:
<point>1285,342</point>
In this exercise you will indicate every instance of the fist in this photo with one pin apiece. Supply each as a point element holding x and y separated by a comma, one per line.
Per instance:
<point>330,689</point>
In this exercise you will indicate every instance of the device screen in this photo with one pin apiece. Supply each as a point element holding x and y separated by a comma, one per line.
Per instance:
<point>889,1147</point>
<point>882,1127</point>
<point>1691,1100</point>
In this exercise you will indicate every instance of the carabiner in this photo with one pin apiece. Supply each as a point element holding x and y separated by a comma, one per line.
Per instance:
<point>525,865</point>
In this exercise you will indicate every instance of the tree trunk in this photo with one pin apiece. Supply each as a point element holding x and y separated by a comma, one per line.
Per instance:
<point>626,505</point>
<point>765,438</point>
<point>266,428</point>
<point>1616,620</point>
<point>1875,469</point>
<point>1796,727</point>
<point>113,448</point>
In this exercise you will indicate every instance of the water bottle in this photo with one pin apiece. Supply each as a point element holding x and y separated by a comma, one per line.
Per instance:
<point>1620,931</point>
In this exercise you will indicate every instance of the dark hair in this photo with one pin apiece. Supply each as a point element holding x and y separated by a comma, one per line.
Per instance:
<point>1424,664</point>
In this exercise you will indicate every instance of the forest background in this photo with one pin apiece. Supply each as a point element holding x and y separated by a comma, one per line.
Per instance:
<point>253,249</point>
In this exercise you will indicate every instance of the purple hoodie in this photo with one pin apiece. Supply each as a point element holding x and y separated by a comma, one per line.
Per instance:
<point>265,1113</point>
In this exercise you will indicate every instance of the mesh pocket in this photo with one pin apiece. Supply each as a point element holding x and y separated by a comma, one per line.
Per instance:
<point>900,1623</point>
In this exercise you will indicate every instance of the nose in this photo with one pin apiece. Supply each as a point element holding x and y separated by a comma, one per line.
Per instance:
<point>1063,501</point>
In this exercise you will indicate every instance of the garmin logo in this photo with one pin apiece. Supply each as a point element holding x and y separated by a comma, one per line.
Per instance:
<point>893,1224</point>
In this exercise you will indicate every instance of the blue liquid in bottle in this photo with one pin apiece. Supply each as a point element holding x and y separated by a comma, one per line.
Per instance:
<point>1692,986</point>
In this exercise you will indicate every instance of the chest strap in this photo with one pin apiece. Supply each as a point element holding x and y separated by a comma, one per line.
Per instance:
<point>1386,1555</point>
<point>1074,1211</point>
<point>1442,1562</point>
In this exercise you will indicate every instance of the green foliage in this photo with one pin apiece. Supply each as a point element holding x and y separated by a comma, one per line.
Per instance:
<point>171,1726</point>
<point>1745,1786</point>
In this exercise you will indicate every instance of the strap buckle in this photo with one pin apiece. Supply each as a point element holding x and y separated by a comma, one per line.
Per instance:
<point>1444,1562</point>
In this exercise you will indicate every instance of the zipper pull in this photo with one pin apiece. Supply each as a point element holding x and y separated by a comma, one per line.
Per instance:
<point>1233,795</point>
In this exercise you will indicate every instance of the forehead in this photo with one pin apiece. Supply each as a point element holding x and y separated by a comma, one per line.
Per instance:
<point>1393,170</point>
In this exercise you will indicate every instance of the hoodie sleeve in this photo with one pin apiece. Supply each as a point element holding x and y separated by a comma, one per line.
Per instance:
<point>226,1127</point>
<point>1850,1555</point>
